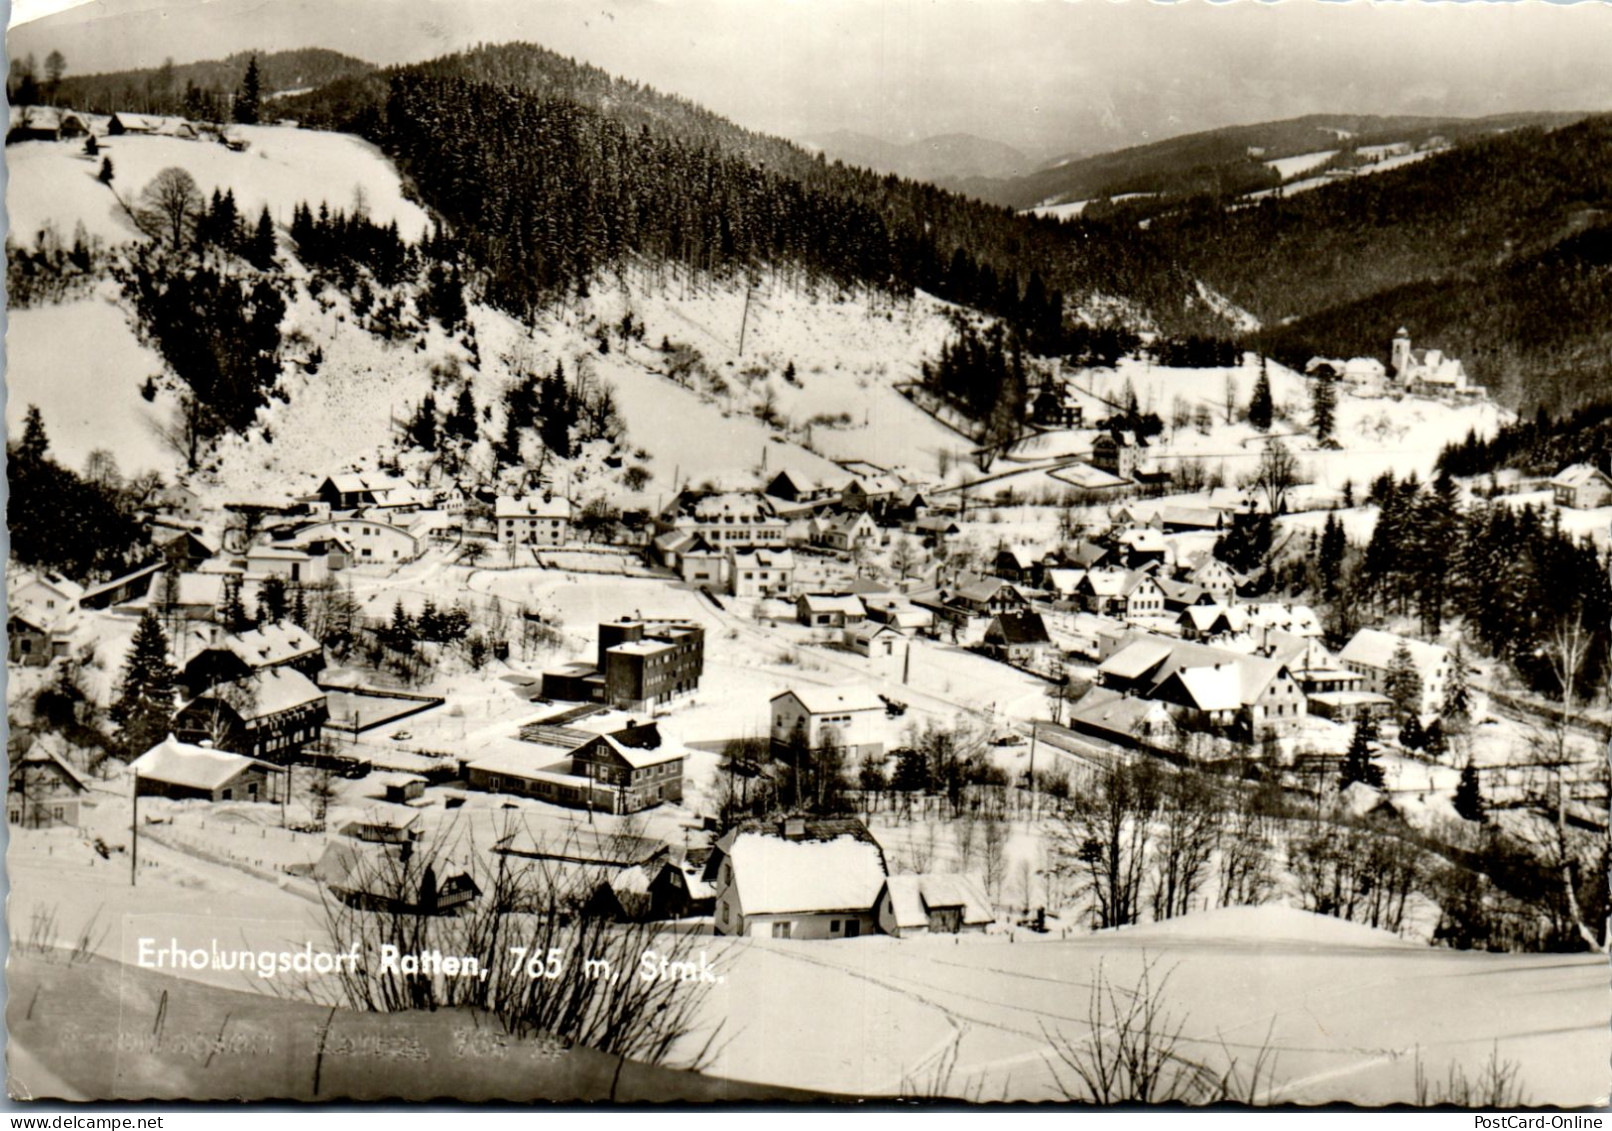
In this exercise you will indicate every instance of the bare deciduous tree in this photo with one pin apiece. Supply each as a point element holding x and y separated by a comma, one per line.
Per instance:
<point>170,203</point>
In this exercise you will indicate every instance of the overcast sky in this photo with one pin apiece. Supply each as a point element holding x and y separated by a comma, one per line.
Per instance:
<point>1046,74</point>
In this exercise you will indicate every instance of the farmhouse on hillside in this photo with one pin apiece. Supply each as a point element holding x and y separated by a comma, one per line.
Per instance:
<point>1582,486</point>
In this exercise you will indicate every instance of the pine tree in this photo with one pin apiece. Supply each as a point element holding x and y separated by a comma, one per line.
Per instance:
<point>461,422</point>
<point>272,601</point>
<point>400,633</point>
<point>299,607</point>
<point>106,173</point>
<point>1468,795</point>
<point>1437,745</point>
<point>422,430</point>
<point>1457,703</point>
<point>249,99</point>
<point>261,247</point>
<point>1325,407</point>
<point>233,612</point>
<point>1411,734</point>
<point>35,445</point>
<point>1359,764</point>
<point>1403,683</point>
<point>1261,410</point>
<point>1330,554</point>
<point>144,707</point>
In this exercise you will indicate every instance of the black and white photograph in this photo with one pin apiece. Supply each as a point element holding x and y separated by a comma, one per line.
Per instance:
<point>809,553</point>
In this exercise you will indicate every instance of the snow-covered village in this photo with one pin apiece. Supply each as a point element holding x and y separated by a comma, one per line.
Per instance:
<point>787,636</point>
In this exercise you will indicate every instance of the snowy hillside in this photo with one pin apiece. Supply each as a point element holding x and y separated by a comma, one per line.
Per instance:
<point>55,183</point>
<point>846,354</point>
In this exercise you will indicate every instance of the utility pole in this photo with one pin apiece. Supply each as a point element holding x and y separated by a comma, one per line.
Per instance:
<point>744,319</point>
<point>1034,729</point>
<point>134,831</point>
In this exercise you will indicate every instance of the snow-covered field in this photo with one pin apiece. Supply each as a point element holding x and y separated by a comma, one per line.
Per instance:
<point>1377,434</point>
<point>1341,1012</point>
<point>53,182</point>
<point>81,363</point>
<point>1289,167</point>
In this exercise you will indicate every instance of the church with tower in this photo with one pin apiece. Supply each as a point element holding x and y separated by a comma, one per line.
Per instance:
<point>1428,371</point>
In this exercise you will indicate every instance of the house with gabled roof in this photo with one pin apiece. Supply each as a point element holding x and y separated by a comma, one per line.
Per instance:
<point>760,572</point>
<point>227,657</point>
<point>1267,695</point>
<point>933,903</point>
<point>1128,720</point>
<point>1180,595</point>
<point>533,520</point>
<point>1216,576</point>
<point>272,714</point>
<point>1582,486</point>
<point>850,719</point>
<point>625,770</point>
<point>1371,653</point>
<point>182,770</point>
<point>1123,593</point>
<point>829,610</point>
<point>798,878</point>
<point>844,530</point>
<point>43,789</point>
<point>1018,638</point>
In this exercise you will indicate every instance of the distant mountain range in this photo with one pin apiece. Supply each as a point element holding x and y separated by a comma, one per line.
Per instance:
<point>1487,237</point>
<point>943,159</point>
<point>1235,159</point>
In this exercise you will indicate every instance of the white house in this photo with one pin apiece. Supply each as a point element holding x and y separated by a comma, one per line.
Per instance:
<point>760,573</point>
<point>844,531</point>
<point>1582,486</point>
<point>532,521</point>
<point>806,879</point>
<point>1371,653</point>
<point>829,610</point>
<point>933,903</point>
<point>882,646</point>
<point>45,595</point>
<point>849,718</point>
<point>374,542</point>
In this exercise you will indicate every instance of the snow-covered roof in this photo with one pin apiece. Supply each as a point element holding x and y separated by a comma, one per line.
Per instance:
<point>777,876</point>
<point>1118,713</point>
<point>1137,658</point>
<point>1212,688</point>
<point>41,754</point>
<point>199,767</point>
<point>1144,539</point>
<point>1204,617</point>
<point>1300,620</point>
<point>1374,648</point>
<point>762,559</point>
<point>832,603</point>
<point>912,897</point>
<point>271,644</point>
<point>834,700</point>
<point>1064,580</point>
<point>532,506</point>
<point>281,689</point>
<point>867,630</point>
<point>1580,475</point>
<point>640,756</point>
